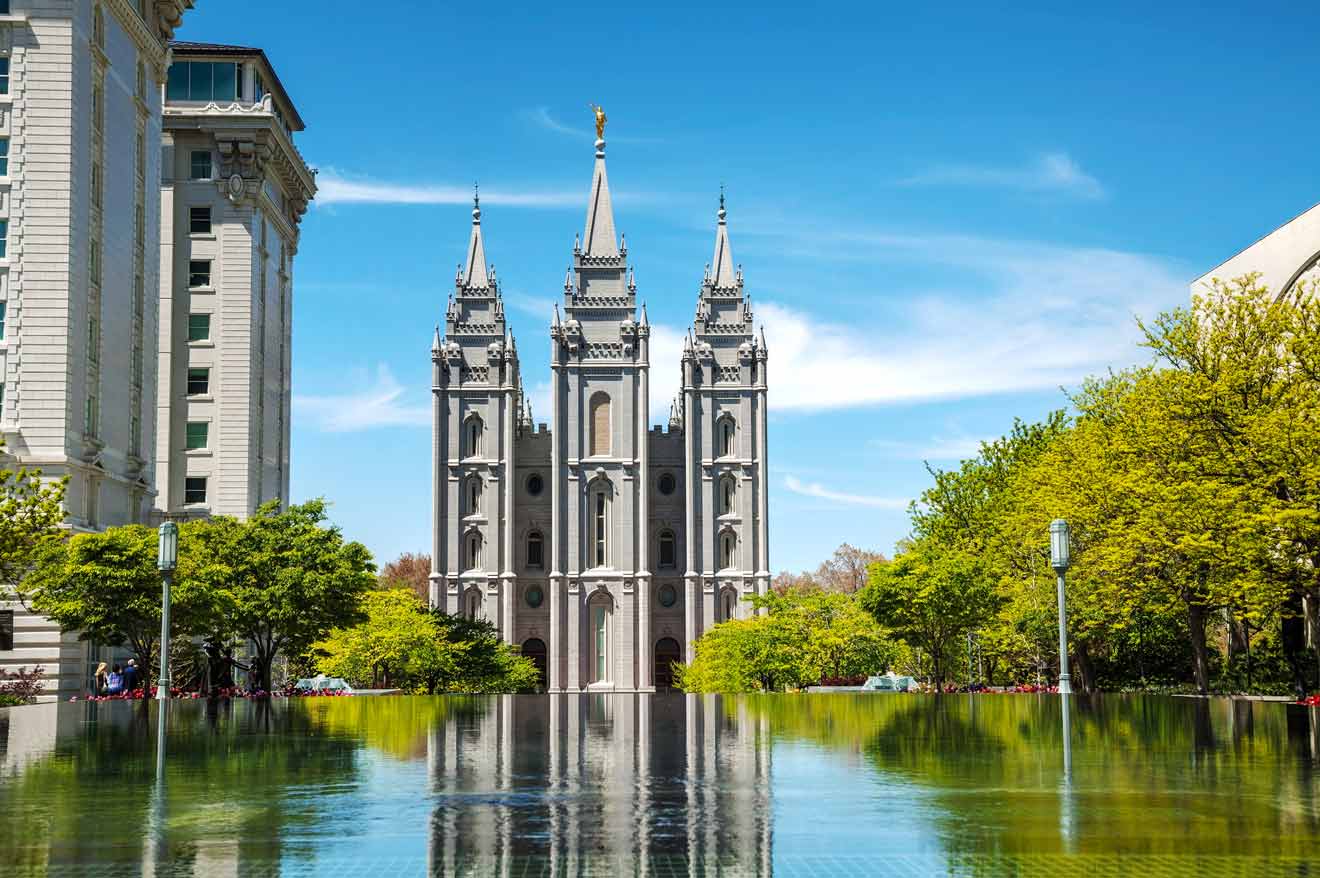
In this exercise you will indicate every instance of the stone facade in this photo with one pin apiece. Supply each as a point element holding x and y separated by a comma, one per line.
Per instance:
<point>1289,254</point>
<point>232,194</point>
<point>602,547</point>
<point>80,119</point>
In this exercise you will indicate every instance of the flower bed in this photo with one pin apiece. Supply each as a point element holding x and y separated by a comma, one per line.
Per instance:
<point>138,695</point>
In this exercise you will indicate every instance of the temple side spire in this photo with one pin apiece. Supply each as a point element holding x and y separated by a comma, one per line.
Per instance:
<point>474,269</point>
<point>598,240</point>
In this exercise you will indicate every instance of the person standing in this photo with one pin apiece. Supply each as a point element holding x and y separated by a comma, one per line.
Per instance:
<point>114,683</point>
<point>131,676</point>
<point>99,679</point>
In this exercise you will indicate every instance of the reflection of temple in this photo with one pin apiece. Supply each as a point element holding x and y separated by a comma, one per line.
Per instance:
<point>645,784</point>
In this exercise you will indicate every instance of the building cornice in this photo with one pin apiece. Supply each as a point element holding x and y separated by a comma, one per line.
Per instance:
<point>260,138</point>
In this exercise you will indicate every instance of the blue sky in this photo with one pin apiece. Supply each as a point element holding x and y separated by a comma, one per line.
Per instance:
<point>957,209</point>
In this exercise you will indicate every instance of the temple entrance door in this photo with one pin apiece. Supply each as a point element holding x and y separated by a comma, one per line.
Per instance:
<point>534,649</point>
<point>666,656</point>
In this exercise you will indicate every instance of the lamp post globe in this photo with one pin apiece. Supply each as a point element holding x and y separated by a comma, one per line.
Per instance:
<point>167,556</point>
<point>1060,558</point>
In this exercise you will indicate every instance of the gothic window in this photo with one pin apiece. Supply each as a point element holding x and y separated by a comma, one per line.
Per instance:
<point>728,494</point>
<point>600,424</point>
<point>725,432</point>
<point>728,604</point>
<point>601,645</point>
<point>473,498</point>
<point>472,430</point>
<point>535,549</point>
<point>473,551</point>
<point>728,550</point>
<point>473,608</point>
<point>668,553</point>
<point>598,527</point>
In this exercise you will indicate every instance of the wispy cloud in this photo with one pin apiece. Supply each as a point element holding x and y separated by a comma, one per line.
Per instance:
<point>379,402</point>
<point>1042,316</point>
<point>815,489</point>
<point>1051,172</point>
<point>941,448</point>
<point>541,117</point>
<point>334,187</point>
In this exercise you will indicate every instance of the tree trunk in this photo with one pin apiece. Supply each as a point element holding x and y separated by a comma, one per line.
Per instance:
<point>1085,669</point>
<point>1200,654</point>
<point>1292,634</point>
<point>260,671</point>
<point>1237,636</point>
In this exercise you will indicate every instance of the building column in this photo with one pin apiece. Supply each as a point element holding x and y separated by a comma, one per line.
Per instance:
<point>508,581</point>
<point>763,489</point>
<point>690,528</point>
<point>440,466</point>
<point>642,591</point>
<point>555,648</point>
<point>574,636</point>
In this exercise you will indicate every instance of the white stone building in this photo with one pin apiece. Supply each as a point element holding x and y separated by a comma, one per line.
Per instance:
<point>79,160</point>
<point>232,194</point>
<point>602,547</point>
<point>1283,257</point>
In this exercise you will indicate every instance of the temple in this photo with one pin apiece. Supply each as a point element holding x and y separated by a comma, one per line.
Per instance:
<point>602,546</point>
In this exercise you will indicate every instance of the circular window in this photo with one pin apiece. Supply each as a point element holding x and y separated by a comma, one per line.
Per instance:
<point>666,484</point>
<point>668,596</point>
<point>534,484</point>
<point>534,596</point>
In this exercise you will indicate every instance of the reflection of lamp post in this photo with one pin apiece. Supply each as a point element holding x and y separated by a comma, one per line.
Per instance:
<point>1059,558</point>
<point>166,558</point>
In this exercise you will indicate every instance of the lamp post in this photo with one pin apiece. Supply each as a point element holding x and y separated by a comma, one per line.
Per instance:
<point>1059,559</point>
<point>166,557</point>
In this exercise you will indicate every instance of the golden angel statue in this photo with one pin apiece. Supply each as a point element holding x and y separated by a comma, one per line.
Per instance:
<point>601,119</point>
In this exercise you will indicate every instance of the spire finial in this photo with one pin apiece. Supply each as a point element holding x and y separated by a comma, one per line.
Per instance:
<point>476,204</point>
<point>721,213</point>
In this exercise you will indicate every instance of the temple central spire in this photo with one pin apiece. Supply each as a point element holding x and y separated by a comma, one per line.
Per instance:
<point>598,240</point>
<point>474,272</point>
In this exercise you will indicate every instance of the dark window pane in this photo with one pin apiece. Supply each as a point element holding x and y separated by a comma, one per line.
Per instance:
<point>199,273</point>
<point>6,630</point>
<point>225,85</point>
<point>194,490</point>
<point>199,327</point>
<point>200,82</point>
<point>199,382</point>
<point>177,89</point>
<point>199,219</point>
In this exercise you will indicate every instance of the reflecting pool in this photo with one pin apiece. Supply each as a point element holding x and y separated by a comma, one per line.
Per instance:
<point>663,785</point>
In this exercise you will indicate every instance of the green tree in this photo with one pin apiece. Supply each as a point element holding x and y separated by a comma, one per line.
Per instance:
<point>931,598</point>
<point>31,510</point>
<point>484,662</point>
<point>399,645</point>
<point>285,579</point>
<point>107,587</point>
<point>797,638</point>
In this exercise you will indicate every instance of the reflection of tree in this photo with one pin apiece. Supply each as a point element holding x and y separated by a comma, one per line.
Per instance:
<point>1151,775</point>
<point>228,770</point>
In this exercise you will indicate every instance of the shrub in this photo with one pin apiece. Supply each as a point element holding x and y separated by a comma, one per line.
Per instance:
<point>20,687</point>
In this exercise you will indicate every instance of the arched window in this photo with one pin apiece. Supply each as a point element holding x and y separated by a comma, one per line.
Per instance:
<point>473,498</point>
<point>473,551</point>
<point>728,604</point>
<point>535,549</point>
<point>725,432</point>
<point>728,550</point>
<point>668,550</point>
<point>600,424</point>
<point>472,431</point>
<point>472,608</point>
<point>598,528</point>
<point>728,494</point>
<point>600,613</point>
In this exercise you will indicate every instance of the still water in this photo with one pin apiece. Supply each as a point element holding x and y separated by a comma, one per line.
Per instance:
<point>662,785</point>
